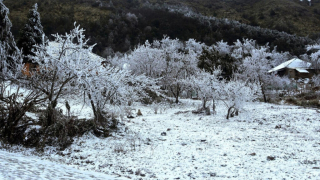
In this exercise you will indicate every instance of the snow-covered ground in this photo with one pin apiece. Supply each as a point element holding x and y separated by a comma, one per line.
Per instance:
<point>18,166</point>
<point>266,141</point>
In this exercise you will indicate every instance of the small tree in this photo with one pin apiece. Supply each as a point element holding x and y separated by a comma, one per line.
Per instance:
<point>216,57</point>
<point>255,68</point>
<point>205,85</point>
<point>32,34</point>
<point>235,93</point>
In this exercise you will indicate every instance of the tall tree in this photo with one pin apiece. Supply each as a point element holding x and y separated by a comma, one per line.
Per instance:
<point>8,44</point>
<point>32,34</point>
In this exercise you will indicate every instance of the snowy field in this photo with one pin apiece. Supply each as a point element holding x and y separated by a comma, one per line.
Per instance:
<point>18,166</point>
<point>266,141</point>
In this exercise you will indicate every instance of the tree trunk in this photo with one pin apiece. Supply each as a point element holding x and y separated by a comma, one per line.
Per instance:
<point>229,111</point>
<point>204,103</point>
<point>177,93</point>
<point>213,107</point>
<point>232,111</point>
<point>262,90</point>
<point>264,94</point>
<point>50,113</point>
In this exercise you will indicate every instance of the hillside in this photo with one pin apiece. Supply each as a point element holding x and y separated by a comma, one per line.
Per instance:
<point>292,16</point>
<point>112,27</point>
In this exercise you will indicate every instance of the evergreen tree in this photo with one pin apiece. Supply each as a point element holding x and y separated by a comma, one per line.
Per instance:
<point>8,45</point>
<point>32,34</point>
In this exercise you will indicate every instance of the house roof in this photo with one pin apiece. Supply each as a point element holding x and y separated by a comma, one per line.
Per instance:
<point>294,63</point>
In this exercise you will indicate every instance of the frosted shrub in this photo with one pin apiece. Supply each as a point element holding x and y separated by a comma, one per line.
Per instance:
<point>206,86</point>
<point>236,93</point>
<point>168,62</point>
<point>316,80</point>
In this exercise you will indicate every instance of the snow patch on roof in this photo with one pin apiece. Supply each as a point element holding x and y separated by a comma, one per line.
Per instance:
<point>294,63</point>
<point>302,70</point>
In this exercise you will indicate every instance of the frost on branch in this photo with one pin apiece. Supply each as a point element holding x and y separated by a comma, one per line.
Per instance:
<point>206,86</point>
<point>168,61</point>
<point>236,93</point>
<point>67,66</point>
<point>315,55</point>
<point>256,62</point>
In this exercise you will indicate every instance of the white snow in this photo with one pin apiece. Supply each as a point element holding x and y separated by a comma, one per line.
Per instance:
<point>293,64</point>
<point>300,70</point>
<point>197,146</point>
<point>18,166</point>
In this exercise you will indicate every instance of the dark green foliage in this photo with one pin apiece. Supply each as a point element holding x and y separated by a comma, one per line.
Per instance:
<point>31,35</point>
<point>108,26</point>
<point>211,59</point>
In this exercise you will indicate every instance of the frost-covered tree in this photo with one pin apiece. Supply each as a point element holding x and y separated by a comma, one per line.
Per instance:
<point>218,55</point>
<point>9,70</point>
<point>65,61</point>
<point>168,61</point>
<point>32,34</point>
<point>8,45</point>
<point>206,86</point>
<point>235,93</point>
<point>315,55</point>
<point>255,68</point>
<point>67,65</point>
<point>256,62</point>
<point>242,49</point>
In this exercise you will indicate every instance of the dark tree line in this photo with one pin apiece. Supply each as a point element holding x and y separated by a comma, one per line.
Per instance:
<point>121,25</point>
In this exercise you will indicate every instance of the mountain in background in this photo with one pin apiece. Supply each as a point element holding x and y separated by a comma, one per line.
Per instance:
<point>119,25</point>
<point>292,16</point>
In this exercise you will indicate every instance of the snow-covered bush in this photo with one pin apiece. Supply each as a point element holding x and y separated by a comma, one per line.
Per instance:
<point>316,80</point>
<point>167,61</point>
<point>206,86</point>
<point>315,55</point>
<point>15,99</point>
<point>236,93</point>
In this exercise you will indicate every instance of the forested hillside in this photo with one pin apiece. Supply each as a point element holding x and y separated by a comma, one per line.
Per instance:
<point>120,25</point>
